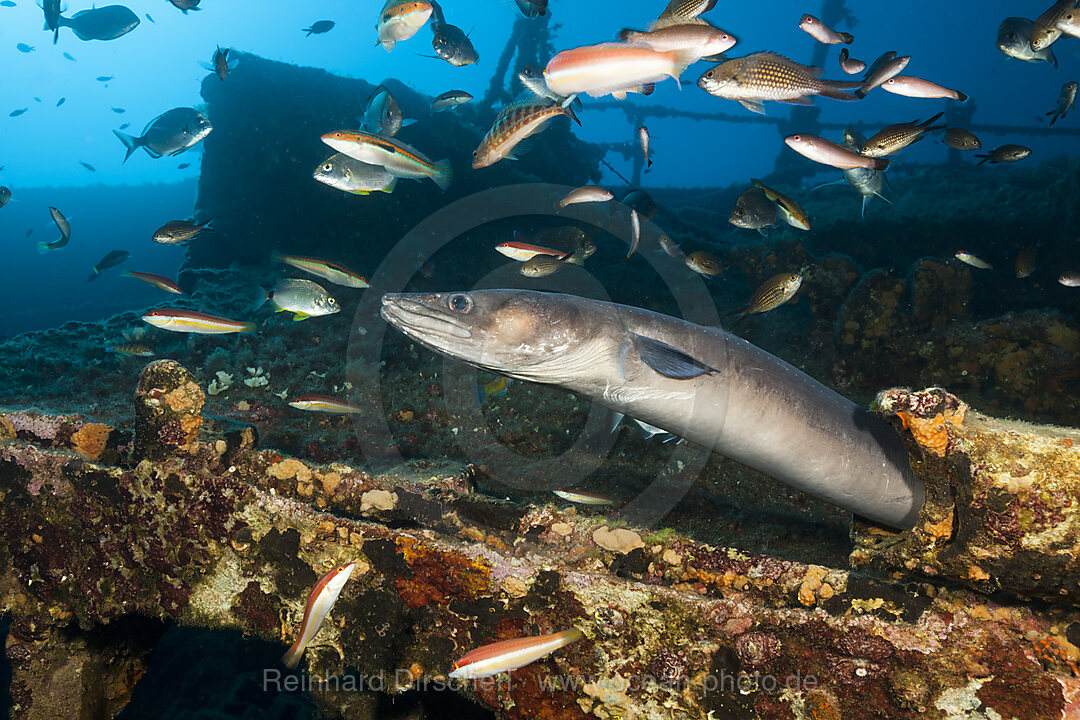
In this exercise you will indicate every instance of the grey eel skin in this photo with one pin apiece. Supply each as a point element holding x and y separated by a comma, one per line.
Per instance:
<point>701,383</point>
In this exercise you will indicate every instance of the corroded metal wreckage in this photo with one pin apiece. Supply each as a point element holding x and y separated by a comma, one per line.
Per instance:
<point>108,533</point>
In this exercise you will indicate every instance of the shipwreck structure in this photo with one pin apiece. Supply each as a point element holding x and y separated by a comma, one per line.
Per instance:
<point>108,534</point>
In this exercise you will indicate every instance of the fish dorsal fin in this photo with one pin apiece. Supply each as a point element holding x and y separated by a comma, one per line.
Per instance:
<point>666,22</point>
<point>669,361</point>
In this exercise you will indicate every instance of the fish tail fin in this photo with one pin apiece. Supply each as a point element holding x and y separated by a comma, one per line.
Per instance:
<point>93,275</point>
<point>130,142</point>
<point>1053,119</point>
<point>837,90</point>
<point>43,247</point>
<point>984,159</point>
<point>246,327</point>
<point>848,38</point>
<point>56,34</point>
<point>880,163</point>
<point>276,256</point>
<point>292,658</point>
<point>961,97</point>
<point>261,296</point>
<point>862,213</point>
<point>444,174</point>
<point>625,34</point>
<point>568,106</point>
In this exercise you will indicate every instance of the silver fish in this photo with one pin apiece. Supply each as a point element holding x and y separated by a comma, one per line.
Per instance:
<point>170,133</point>
<point>961,139</point>
<point>823,33</point>
<point>1014,40</point>
<point>65,233</point>
<point>452,44</point>
<point>344,173</point>
<point>849,64</point>
<point>1070,23</point>
<point>1045,30</point>
<point>103,23</point>
<point>753,211</point>
<point>885,67</point>
<point>1065,101</point>
<point>584,194</point>
<point>1005,154</point>
<point>176,232</point>
<point>450,99</point>
<point>542,266</point>
<point>303,298</point>
<point>867,182</point>
<point>382,114</point>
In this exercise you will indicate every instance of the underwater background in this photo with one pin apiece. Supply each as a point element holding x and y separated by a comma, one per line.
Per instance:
<point>884,300</point>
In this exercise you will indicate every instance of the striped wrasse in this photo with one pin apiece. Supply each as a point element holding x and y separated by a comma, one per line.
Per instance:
<point>493,659</point>
<point>322,598</point>
<point>514,124</point>
<point>398,158</point>
<point>189,321</point>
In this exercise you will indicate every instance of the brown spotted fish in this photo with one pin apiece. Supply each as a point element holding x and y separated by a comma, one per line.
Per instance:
<point>762,76</point>
<point>773,293</point>
<point>513,125</point>
<point>894,138</point>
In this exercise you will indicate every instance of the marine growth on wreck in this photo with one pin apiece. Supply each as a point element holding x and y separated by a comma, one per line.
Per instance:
<point>535,360</point>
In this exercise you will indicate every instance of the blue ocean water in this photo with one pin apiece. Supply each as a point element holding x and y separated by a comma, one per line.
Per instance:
<point>156,67</point>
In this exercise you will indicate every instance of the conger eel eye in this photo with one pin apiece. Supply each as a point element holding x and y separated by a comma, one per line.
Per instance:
<point>461,304</point>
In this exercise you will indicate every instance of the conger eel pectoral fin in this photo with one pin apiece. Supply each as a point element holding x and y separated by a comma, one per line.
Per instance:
<point>668,360</point>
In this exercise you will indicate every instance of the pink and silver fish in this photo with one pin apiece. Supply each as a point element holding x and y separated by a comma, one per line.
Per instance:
<point>322,598</point>
<point>509,655</point>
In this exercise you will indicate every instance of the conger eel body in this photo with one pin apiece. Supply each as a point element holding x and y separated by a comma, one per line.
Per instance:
<point>701,383</point>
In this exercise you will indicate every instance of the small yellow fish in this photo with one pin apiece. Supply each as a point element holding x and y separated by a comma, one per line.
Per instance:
<point>969,259</point>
